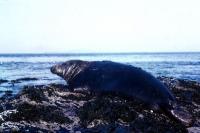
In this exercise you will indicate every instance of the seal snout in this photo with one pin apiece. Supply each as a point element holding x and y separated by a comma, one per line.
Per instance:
<point>53,69</point>
<point>57,69</point>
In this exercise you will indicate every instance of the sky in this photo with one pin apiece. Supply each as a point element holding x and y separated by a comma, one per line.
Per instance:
<point>63,26</point>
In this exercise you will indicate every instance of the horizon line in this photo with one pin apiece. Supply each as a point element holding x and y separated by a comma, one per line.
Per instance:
<point>76,53</point>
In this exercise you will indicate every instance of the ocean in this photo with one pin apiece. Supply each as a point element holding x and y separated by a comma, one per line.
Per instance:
<point>16,66</point>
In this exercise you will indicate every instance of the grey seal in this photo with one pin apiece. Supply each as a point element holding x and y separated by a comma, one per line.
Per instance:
<point>123,79</point>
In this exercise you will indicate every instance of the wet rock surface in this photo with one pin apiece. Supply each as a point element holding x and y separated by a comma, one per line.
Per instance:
<point>22,79</point>
<point>3,81</point>
<point>19,80</point>
<point>16,81</point>
<point>52,108</point>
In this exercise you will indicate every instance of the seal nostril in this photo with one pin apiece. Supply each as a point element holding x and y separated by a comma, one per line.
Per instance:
<point>52,69</point>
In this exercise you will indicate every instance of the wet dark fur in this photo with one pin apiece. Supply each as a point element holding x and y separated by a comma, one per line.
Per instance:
<point>112,77</point>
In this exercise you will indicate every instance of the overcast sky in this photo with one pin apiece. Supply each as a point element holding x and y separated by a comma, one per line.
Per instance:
<point>29,26</point>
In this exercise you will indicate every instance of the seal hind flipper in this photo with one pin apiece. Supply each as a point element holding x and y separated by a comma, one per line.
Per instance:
<point>178,115</point>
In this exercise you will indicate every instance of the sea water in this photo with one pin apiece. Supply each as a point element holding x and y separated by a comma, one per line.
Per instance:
<point>15,66</point>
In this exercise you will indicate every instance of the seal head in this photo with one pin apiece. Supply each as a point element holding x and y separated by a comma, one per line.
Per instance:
<point>68,70</point>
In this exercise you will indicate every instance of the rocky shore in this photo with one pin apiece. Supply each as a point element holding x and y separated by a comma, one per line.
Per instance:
<point>52,108</point>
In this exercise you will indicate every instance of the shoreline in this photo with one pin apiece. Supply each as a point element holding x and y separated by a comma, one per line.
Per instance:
<point>53,108</point>
<point>15,82</point>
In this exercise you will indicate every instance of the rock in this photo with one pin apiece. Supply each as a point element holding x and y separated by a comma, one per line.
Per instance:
<point>8,127</point>
<point>35,112</point>
<point>52,108</point>
<point>3,81</point>
<point>6,115</point>
<point>193,130</point>
<point>22,79</point>
<point>7,94</point>
<point>33,93</point>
